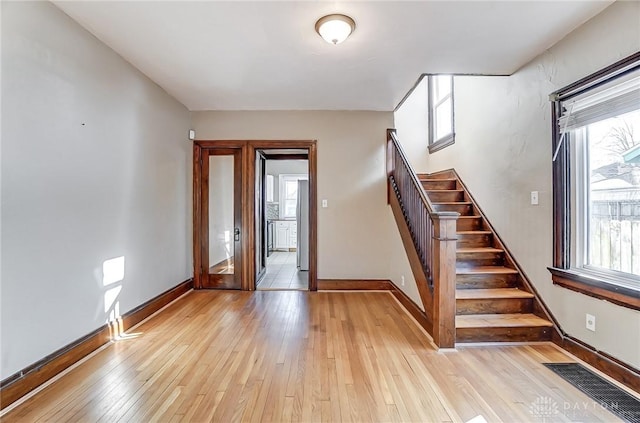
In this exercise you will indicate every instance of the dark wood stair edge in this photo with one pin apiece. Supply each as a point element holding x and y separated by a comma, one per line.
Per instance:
<point>414,260</point>
<point>448,174</point>
<point>421,318</point>
<point>614,368</point>
<point>619,370</point>
<point>542,306</point>
<point>504,334</point>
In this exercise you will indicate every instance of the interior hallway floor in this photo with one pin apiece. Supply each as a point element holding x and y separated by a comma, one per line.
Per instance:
<point>282,273</point>
<point>282,356</point>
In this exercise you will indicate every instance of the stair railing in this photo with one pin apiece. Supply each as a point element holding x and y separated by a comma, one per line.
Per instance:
<point>433,235</point>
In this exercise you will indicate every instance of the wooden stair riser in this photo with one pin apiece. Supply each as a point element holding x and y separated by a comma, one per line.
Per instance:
<point>498,315</point>
<point>462,208</point>
<point>509,334</point>
<point>494,305</point>
<point>445,196</point>
<point>479,261</point>
<point>469,223</point>
<point>431,177</point>
<point>480,239</point>
<point>467,260</point>
<point>439,184</point>
<point>486,281</point>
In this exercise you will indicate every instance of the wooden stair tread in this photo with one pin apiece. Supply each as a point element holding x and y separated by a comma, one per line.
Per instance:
<point>479,250</point>
<point>491,293</point>
<point>500,320</point>
<point>444,190</point>
<point>492,304</point>
<point>486,270</point>
<point>472,232</point>
<point>467,203</point>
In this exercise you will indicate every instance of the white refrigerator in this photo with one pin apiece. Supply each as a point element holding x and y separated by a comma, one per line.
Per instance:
<point>302,219</point>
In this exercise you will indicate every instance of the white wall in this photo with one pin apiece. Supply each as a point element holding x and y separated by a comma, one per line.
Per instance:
<point>354,229</point>
<point>221,208</point>
<point>400,268</point>
<point>95,166</point>
<point>503,151</point>
<point>412,126</point>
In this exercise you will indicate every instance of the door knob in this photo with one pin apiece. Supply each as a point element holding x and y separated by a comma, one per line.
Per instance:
<point>236,234</point>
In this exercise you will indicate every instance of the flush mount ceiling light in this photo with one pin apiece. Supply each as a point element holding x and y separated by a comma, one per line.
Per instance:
<point>334,29</point>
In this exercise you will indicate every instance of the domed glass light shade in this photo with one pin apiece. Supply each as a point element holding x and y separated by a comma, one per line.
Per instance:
<point>334,29</point>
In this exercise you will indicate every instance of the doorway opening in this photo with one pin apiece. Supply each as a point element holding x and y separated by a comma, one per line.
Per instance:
<point>282,261</point>
<point>235,245</point>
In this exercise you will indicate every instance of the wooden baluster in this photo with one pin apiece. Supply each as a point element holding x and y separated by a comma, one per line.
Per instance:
<point>434,239</point>
<point>444,276</point>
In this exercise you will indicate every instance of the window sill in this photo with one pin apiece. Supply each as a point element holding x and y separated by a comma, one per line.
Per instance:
<point>595,287</point>
<point>441,143</point>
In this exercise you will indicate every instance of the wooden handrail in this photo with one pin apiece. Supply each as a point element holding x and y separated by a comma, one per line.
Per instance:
<point>433,236</point>
<point>414,177</point>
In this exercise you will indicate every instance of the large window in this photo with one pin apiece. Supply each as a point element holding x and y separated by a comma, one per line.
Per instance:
<point>608,200</point>
<point>288,192</point>
<point>597,185</point>
<point>441,124</point>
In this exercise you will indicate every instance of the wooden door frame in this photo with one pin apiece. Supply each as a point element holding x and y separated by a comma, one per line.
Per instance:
<point>201,209</point>
<point>248,238</point>
<point>262,215</point>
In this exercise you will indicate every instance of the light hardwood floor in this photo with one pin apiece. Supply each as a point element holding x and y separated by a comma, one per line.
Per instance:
<point>302,356</point>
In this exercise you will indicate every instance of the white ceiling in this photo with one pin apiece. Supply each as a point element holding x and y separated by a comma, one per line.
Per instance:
<point>266,55</point>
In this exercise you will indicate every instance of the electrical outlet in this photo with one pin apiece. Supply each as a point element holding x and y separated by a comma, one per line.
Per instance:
<point>534,198</point>
<point>402,280</point>
<point>591,322</point>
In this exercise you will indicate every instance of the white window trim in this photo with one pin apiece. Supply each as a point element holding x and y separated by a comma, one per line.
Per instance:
<point>282,178</point>
<point>564,230</point>
<point>448,139</point>
<point>581,216</point>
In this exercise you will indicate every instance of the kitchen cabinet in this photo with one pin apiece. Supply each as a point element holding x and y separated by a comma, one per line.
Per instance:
<point>293,235</point>
<point>286,232</point>
<point>282,234</point>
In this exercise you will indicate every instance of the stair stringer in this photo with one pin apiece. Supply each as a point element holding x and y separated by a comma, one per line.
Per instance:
<point>419,275</point>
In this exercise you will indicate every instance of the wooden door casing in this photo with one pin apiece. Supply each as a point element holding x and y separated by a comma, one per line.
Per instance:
<point>223,280</point>
<point>248,209</point>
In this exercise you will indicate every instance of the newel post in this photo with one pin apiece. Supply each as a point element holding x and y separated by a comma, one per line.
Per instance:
<point>444,278</point>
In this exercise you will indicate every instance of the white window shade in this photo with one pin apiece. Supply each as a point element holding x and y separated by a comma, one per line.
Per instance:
<point>613,99</point>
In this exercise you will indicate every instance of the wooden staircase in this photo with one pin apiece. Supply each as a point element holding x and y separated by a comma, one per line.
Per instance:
<point>494,301</point>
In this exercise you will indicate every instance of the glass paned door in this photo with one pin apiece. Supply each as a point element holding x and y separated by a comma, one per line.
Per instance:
<point>224,214</point>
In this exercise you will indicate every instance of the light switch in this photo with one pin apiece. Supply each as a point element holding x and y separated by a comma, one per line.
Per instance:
<point>325,204</point>
<point>591,322</point>
<point>534,198</point>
